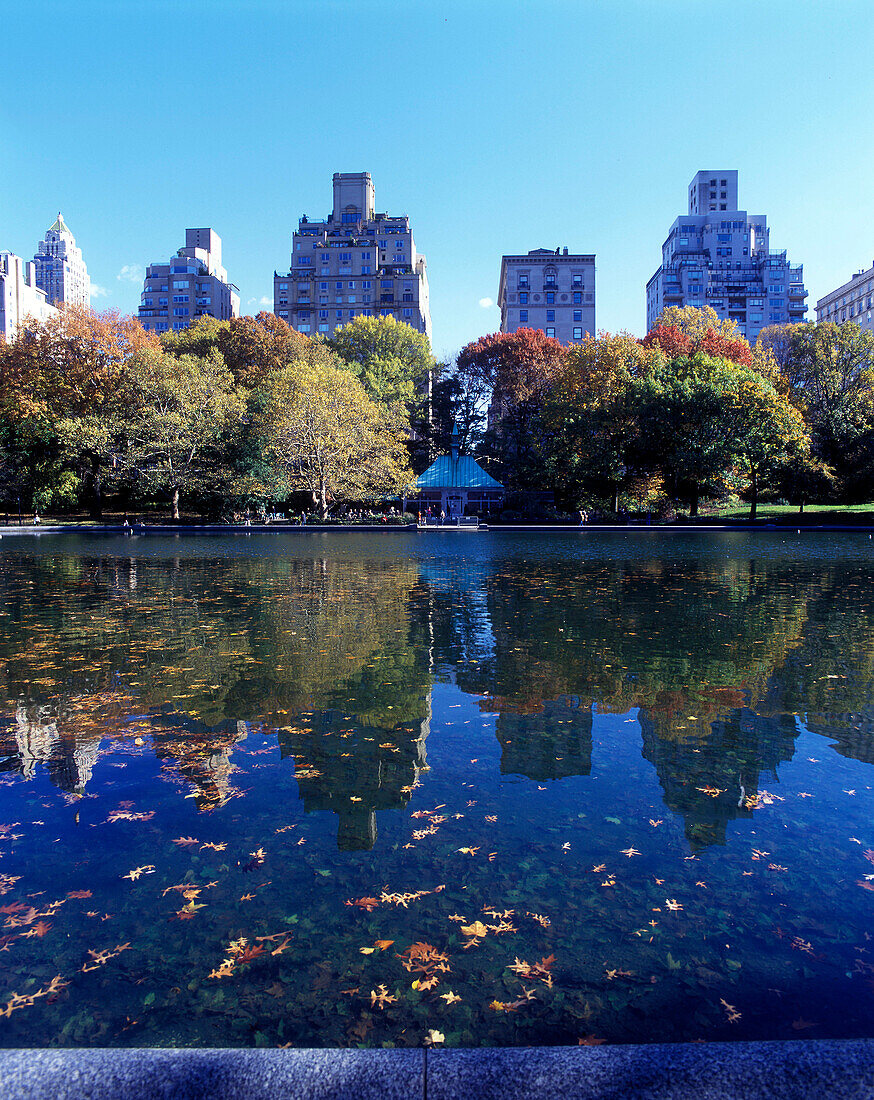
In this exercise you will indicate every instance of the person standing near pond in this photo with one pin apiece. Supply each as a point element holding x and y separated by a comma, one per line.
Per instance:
<point>442,517</point>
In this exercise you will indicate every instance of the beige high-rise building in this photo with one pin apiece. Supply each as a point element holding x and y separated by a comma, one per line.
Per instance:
<point>356,261</point>
<point>850,302</point>
<point>192,284</point>
<point>20,297</point>
<point>60,269</point>
<point>549,290</point>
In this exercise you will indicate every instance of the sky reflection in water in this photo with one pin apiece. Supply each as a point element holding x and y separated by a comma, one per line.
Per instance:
<point>337,790</point>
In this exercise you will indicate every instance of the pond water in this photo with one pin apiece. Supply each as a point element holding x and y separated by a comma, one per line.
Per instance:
<point>339,790</point>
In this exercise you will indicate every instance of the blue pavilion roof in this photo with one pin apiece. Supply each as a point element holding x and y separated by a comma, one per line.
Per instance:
<point>463,472</point>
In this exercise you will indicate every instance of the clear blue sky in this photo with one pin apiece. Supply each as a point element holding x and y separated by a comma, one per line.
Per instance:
<point>497,126</point>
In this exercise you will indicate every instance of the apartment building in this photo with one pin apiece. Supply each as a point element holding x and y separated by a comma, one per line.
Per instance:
<point>20,296</point>
<point>60,269</point>
<point>191,284</point>
<point>720,256</point>
<point>549,290</point>
<point>356,261</point>
<point>850,302</point>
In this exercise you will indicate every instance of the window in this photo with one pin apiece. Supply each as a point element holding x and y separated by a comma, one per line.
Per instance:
<point>365,269</point>
<point>578,298</point>
<point>181,284</point>
<point>382,244</point>
<point>550,278</point>
<point>523,298</point>
<point>339,314</point>
<point>180,297</point>
<point>578,280</point>
<point>551,332</point>
<point>386,284</point>
<point>283,286</point>
<point>303,328</point>
<point>550,315</point>
<point>345,258</point>
<point>325,271</point>
<point>304,261</point>
<point>366,284</point>
<point>550,298</point>
<point>325,257</point>
<point>323,286</point>
<point>408,313</point>
<point>408,296</point>
<point>323,313</point>
<point>523,281</point>
<point>351,284</point>
<point>523,316</point>
<point>180,312</point>
<point>578,334</point>
<point>324,327</point>
<point>338,286</point>
<point>578,315</point>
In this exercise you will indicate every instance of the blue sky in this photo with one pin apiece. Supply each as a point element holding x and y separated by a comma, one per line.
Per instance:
<point>496,126</point>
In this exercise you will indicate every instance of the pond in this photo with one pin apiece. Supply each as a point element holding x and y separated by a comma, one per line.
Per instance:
<point>484,789</point>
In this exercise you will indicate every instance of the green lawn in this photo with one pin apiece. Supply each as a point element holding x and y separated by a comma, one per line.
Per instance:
<point>788,513</point>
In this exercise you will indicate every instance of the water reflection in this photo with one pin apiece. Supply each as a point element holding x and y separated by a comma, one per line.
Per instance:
<point>335,655</point>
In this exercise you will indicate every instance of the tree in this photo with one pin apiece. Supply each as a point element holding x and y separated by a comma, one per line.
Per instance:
<point>589,424</point>
<point>517,368</point>
<point>676,341</point>
<point>390,358</point>
<point>172,437</point>
<point>703,418</point>
<point>695,321</point>
<point>60,380</point>
<point>325,435</point>
<point>255,347</point>
<point>830,369</point>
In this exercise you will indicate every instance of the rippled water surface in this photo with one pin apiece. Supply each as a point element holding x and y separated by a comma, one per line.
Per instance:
<point>332,790</point>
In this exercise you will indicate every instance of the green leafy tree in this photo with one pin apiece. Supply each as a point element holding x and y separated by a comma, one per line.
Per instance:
<point>390,358</point>
<point>324,434</point>
<point>173,437</point>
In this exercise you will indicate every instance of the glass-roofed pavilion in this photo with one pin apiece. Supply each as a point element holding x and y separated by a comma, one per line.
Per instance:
<point>457,485</point>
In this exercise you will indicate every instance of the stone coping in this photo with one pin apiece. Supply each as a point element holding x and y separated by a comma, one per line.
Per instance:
<point>799,1070</point>
<point>396,528</point>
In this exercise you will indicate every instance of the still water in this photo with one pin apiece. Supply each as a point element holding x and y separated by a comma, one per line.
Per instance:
<point>334,790</point>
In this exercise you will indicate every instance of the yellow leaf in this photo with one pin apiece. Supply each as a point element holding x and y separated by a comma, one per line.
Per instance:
<point>367,950</point>
<point>475,929</point>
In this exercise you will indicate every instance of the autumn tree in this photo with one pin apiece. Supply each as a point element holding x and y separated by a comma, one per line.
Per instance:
<point>324,434</point>
<point>696,321</point>
<point>173,435</point>
<point>517,369</point>
<point>589,424</point>
<point>59,381</point>
<point>390,358</point>
<point>255,347</point>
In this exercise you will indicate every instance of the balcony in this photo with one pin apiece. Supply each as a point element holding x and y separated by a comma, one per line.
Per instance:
<point>797,292</point>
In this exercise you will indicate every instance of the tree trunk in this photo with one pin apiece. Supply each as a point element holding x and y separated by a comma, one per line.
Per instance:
<point>96,489</point>
<point>615,504</point>
<point>693,504</point>
<point>176,504</point>
<point>754,498</point>
<point>323,501</point>
<point>801,507</point>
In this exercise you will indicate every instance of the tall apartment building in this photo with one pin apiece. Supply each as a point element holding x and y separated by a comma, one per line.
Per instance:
<point>60,269</point>
<point>850,302</point>
<point>20,297</point>
<point>548,290</point>
<point>719,256</point>
<point>355,262</point>
<point>192,284</point>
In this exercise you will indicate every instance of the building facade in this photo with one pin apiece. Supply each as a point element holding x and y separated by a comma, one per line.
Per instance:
<point>548,290</point>
<point>20,297</point>
<point>850,302</point>
<point>191,284</point>
<point>60,269</point>
<point>719,256</point>
<point>355,262</point>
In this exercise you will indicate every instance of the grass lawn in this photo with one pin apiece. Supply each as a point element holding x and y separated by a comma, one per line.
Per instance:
<point>788,513</point>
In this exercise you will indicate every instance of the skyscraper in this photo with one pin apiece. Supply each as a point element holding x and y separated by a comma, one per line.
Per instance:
<point>719,256</point>
<point>548,290</point>
<point>355,262</point>
<point>60,269</point>
<point>192,284</point>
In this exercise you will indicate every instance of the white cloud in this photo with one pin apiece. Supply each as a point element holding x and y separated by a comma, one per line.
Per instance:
<point>266,302</point>
<point>99,291</point>
<point>486,303</point>
<point>130,273</point>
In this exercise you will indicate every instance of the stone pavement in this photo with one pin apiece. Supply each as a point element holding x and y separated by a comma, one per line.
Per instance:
<point>810,1070</point>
